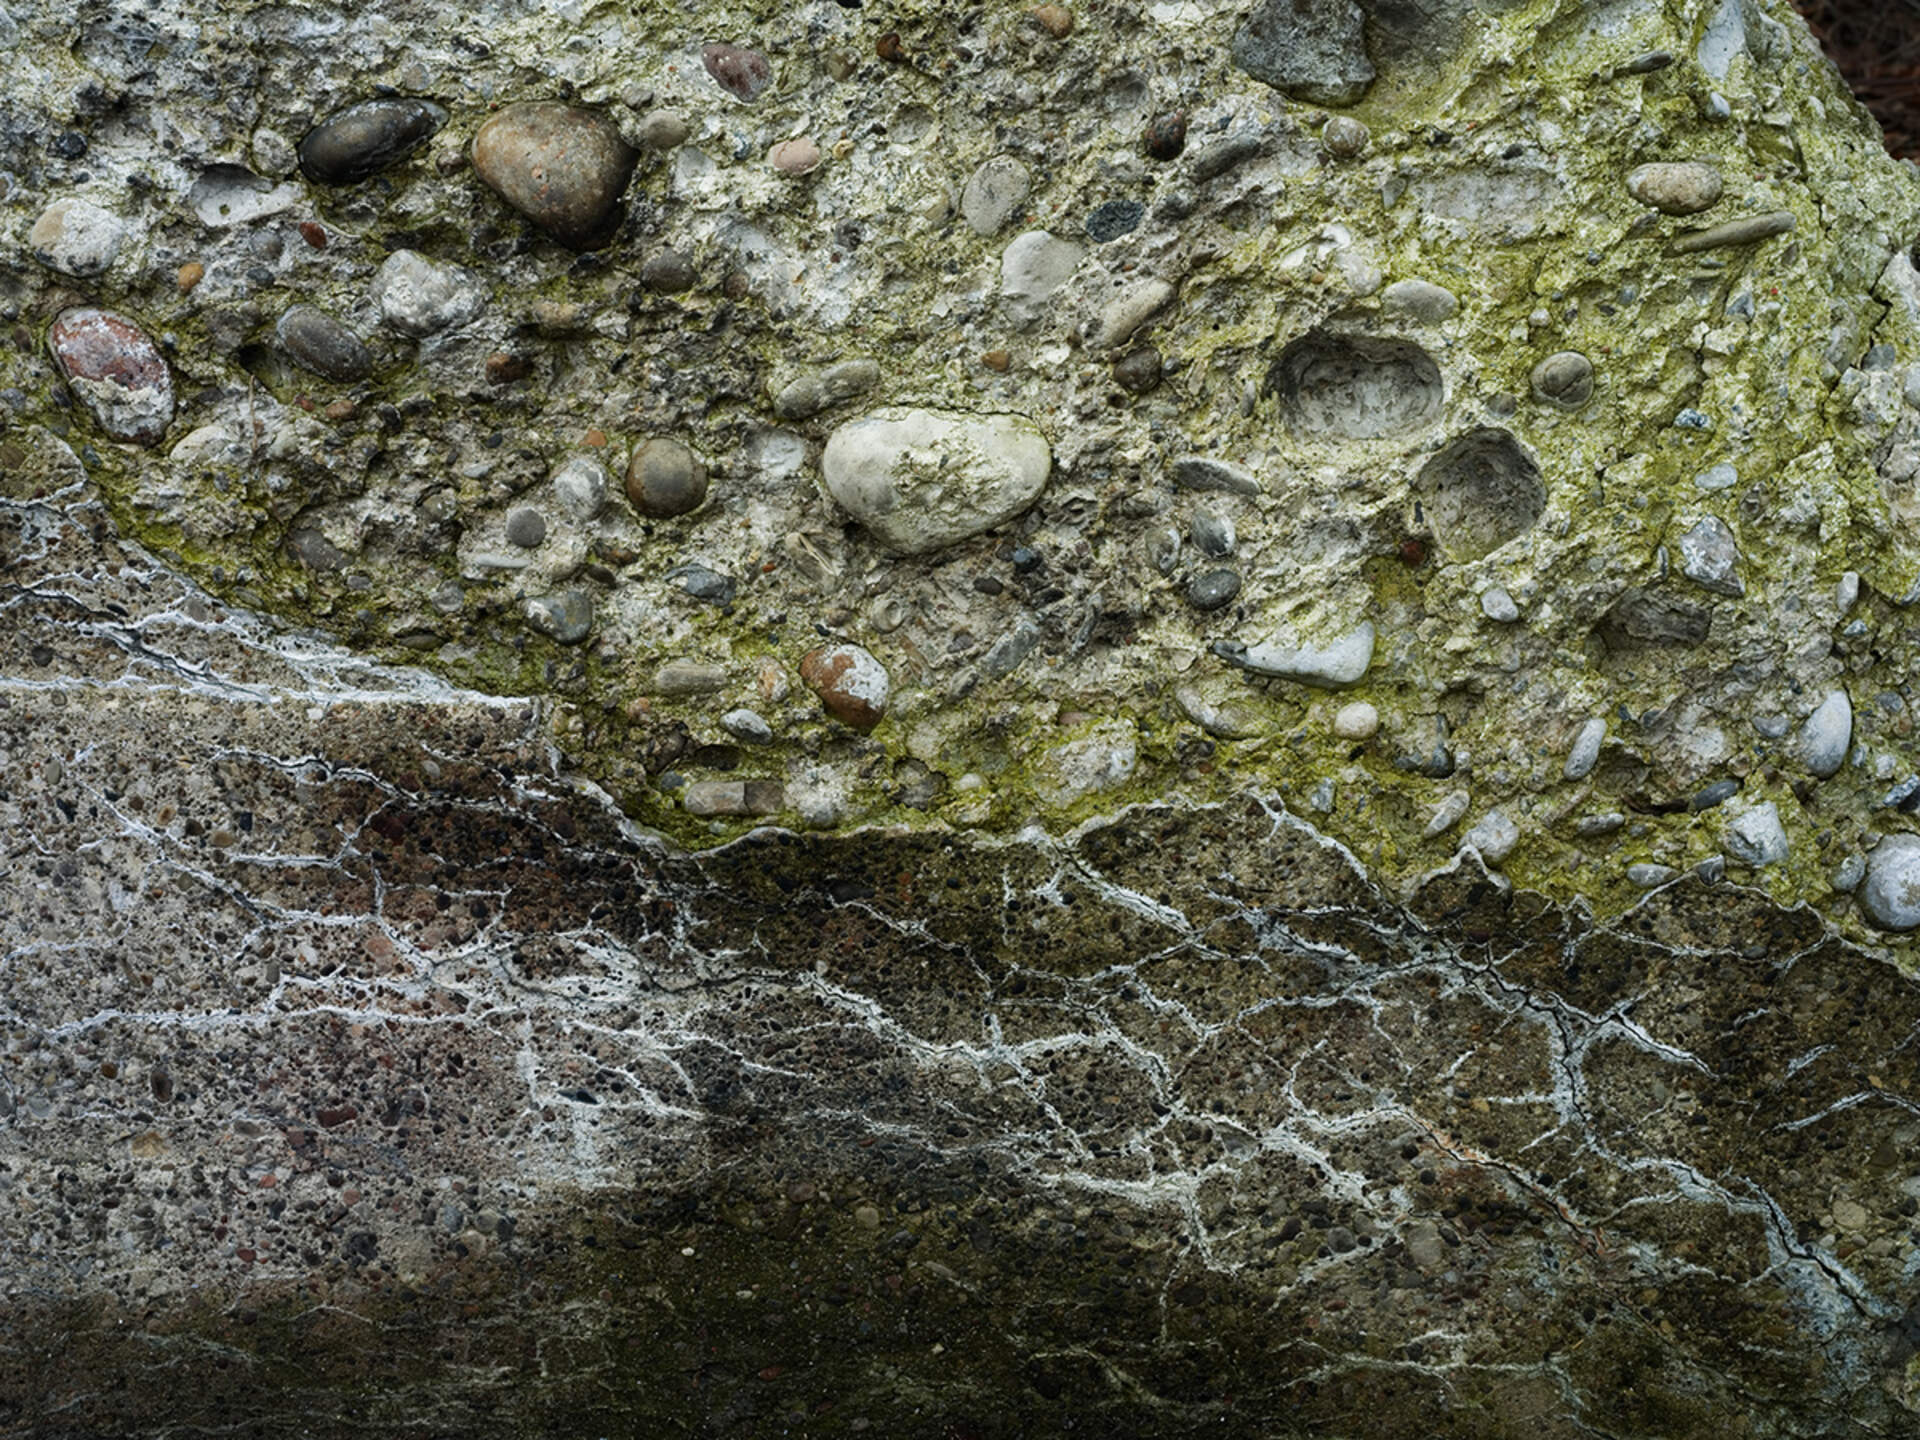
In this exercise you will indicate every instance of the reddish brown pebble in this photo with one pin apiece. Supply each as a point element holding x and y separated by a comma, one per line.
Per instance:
<point>1166,135</point>
<point>314,233</point>
<point>191,274</point>
<point>851,684</point>
<point>563,168</point>
<point>116,371</point>
<point>891,48</point>
<point>741,72</point>
<point>997,360</point>
<point>341,410</point>
<point>504,369</point>
<point>1056,20</point>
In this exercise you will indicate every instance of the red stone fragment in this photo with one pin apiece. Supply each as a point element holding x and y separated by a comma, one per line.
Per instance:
<point>741,72</point>
<point>116,371</point>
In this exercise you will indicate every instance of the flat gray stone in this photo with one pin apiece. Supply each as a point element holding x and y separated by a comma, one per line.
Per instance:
<point>420,297</point>
<point>807,395</point>
<point>1419,300</point>
<point>994,194</point>
<point>1032,267</point>
<point>1494,835</point>
<point>1585,753</point>
<point>565,616</point>
<point>1709,557</point>
<point>1203,472</point>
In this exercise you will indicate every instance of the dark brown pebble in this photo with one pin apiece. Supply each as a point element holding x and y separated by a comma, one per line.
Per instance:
<point>365,139</point>
<point>504,369</point>
<point>891,48</point>
<point>1138,370</point>
<point>665,479</point>
<point>315,341</point>
<point>1166,135</point>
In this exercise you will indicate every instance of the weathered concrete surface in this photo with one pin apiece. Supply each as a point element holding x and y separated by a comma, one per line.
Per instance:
<point>399,1036</point>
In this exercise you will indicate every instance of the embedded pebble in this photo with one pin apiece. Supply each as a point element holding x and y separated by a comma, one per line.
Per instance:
<point>663,129</point>
<point>1756,837</point>
<point>1827,735</point>
<point>704,584</point>
<point>708,798</point>
<point>1005,655</point>
<point>1717,477</point>
<point>921,480</point>
<point>76,238</point>
<point>580,485</point>
<point>994,194</point>
<point>1684,187</point>
<point>1211,589</point>
<point>315,341</point>
<point>115,370</point>
<point>852,684</point>
<point>665,479</point>
<point>1163,548</point>
<point>1344,661</point>
<point>807,395</point>
<point>1494,835</point>
<point>365,139</point>
<point>1564,378</point>
<point>742,72</point>
<point>1032,267</point>
<point>1344,137</point>
<point>526,527</point>
<point>798,156</point>
<point>1890,895</point>
<point>1709,558</point>
<point>1056,20</point>
<point>1356,721</point>
<point>1647,876</point>
<point>1710,796</point>
<point>565,615</point>
<point>1138,370</point>
<point>1735,232</point>
<point>1201,472</point>
<point>1447,814</point>
<point>1110,221</point>
<point>1313,50</point>
<point>747,726</point>
<point>668,272</point>
<point>1846,592</point>
<point>1230,721</point>
<point>1212,533</point>
<point>1132,308</point>
<point>563,168</point>
<point>421,297</point>
<point>1585,753</point>
<point>1419,300</point>
<point>1104,760</point>
<point>1497,605</point>
<point>689,677</point>
<point>1588,827</point>
<point>1166,135</point>
<point>1848,874</point>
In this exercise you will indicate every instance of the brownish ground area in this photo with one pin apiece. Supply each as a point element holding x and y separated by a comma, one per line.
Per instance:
<point>1876,44</point>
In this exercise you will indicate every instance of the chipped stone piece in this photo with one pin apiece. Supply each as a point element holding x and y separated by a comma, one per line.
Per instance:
<point>1341,662</point>
<point>580,485</point>
<point>1709,558</point>
<point>1202,472</point>
<point>994,194</point>
<point>1497,605</point>
<point>1647,875</point>
<point>1494,835</point>
<point>807,395</point>
<point>733,798</point>
<point>1314,50</point>
<point>1447,813</point>
<point>1032,268</point>
<point>420,297</point>
<point>77,238</point>
<point>747,726</point>
<point>565,616</point>
<point>1756,837</point>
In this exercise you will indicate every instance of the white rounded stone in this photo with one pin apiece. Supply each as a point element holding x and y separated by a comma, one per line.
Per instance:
<point>1357,721</point>
<point>921,480</point>
<point>1890,896</point>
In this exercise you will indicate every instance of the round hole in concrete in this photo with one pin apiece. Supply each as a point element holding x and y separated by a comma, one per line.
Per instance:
<point>1355,387</point>
<point>1480,492</point>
